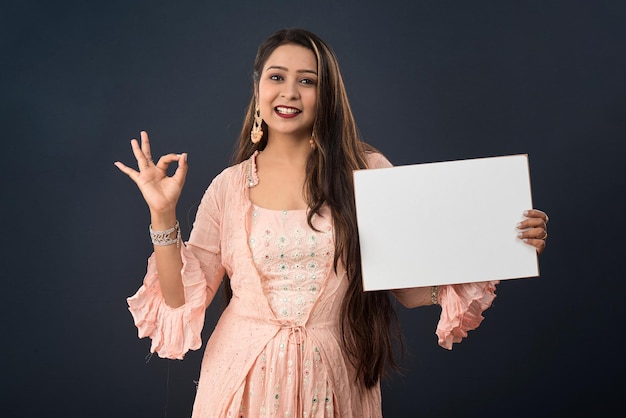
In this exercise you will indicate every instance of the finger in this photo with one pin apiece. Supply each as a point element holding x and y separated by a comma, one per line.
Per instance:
<point>532,223</point>
<point>181,171</point>
<point>145,145</point>
<point>536,213</point>
<point>166,160</point>
<point>539,244</point>
<point>533,233</point>
<point>126,170</point>
<point>142,160</point>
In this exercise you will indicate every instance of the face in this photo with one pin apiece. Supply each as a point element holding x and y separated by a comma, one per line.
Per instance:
<point>288,92</point>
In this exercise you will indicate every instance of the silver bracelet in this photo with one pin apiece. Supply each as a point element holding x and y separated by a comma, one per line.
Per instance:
<point>434,295</point>
<point>164,237</point>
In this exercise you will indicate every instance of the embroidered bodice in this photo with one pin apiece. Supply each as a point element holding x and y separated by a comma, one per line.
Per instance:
<point>293,260</point>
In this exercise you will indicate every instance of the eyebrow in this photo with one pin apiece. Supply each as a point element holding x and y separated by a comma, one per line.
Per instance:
<point>278,67</point>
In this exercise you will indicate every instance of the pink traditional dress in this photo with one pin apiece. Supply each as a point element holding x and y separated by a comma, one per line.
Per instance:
<point>276,350</point>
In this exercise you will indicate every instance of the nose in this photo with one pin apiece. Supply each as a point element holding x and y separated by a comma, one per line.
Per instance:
<point>290,90</point>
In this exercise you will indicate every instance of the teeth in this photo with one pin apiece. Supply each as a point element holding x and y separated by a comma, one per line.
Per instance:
<point>287,110</point>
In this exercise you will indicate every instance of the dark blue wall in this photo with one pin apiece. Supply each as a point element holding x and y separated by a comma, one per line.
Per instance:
<point>428,81</point>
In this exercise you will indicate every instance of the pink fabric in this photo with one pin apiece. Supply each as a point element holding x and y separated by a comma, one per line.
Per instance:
<point>293,261</point>
<point>248,337</point>
<point>462,306</point>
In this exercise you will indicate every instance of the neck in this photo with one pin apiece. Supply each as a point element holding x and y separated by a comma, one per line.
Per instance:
<point>288,149</point>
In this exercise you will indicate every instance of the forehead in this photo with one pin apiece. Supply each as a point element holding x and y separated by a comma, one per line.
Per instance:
<point>292,57</point>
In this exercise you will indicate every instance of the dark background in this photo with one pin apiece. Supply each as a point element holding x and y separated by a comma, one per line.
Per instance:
<point>428,81</point>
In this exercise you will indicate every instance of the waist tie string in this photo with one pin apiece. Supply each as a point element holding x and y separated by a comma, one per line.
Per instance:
<point>297,336</point>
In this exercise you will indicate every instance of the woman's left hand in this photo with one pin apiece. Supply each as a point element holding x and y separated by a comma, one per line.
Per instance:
<point>534,230</point>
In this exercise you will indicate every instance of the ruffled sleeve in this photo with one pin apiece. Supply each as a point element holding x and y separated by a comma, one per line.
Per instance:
<point>174,331</point>
<point>462,306</point>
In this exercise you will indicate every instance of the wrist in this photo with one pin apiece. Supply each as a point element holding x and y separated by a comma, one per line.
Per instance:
<point>434,295</point>
<point>162,220</point>
<point>166,237</point>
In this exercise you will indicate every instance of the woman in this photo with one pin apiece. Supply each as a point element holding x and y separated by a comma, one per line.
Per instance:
<point>299,336</point>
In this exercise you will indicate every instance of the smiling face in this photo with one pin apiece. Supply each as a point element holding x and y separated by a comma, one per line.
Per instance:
<point>287,92</point>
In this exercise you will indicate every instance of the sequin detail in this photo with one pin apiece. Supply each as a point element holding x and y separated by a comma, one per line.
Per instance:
<point>288,379</point>
<point>290,257</point>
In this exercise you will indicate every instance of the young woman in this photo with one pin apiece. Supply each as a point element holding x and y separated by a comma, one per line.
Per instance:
<point>299,337</point>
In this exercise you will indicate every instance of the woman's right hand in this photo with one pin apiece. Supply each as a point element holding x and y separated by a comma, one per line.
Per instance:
<point>160,191</point>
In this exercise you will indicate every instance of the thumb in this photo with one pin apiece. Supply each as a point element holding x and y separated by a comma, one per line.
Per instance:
<point>181,171</point>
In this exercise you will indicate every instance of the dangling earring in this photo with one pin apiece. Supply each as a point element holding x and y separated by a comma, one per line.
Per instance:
<point>257,129</point>
<point>312,141</point>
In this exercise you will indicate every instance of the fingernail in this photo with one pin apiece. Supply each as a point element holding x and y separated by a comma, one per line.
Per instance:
<point>525,213</point>
<point>525,240</point>
<point>519,235</point>
<point>518,225</point>
<point>185,155</point>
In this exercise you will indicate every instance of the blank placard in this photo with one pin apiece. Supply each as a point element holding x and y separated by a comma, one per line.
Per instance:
<point>444,223</point>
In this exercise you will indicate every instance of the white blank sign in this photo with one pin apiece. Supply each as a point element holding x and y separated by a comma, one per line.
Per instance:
<point>444,223</point>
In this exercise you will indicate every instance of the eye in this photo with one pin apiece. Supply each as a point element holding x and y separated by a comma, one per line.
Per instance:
<point>308,81</point>
<point>276,77</point>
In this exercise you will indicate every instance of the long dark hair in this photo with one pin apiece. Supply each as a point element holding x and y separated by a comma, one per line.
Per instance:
<point>369,323</point>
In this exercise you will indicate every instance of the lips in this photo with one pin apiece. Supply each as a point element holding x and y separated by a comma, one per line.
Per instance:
<point>287,111</point>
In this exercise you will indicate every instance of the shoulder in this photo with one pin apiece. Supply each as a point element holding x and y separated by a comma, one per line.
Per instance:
<point>229,180</point>
<point>375,159</point>
<point>231,176</point>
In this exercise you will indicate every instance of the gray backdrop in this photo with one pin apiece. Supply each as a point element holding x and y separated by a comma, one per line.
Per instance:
<point>428,81</point>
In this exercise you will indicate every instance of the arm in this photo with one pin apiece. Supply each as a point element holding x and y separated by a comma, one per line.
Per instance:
<point>417,296</point>
<point>170,305</point>
<point>462,305</point>
<point>176,330</point>
<point>169,263</point>
<point>161,193</point>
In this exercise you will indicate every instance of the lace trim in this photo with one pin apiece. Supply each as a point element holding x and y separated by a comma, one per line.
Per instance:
<point>251,176</point>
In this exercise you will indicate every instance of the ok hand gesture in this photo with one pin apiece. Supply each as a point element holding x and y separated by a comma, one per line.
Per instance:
<point>160,191</point>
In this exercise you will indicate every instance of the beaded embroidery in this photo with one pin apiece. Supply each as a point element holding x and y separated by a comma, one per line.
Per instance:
<point>251,176</point>
<point>290,257</point>
<point>292,260</point>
